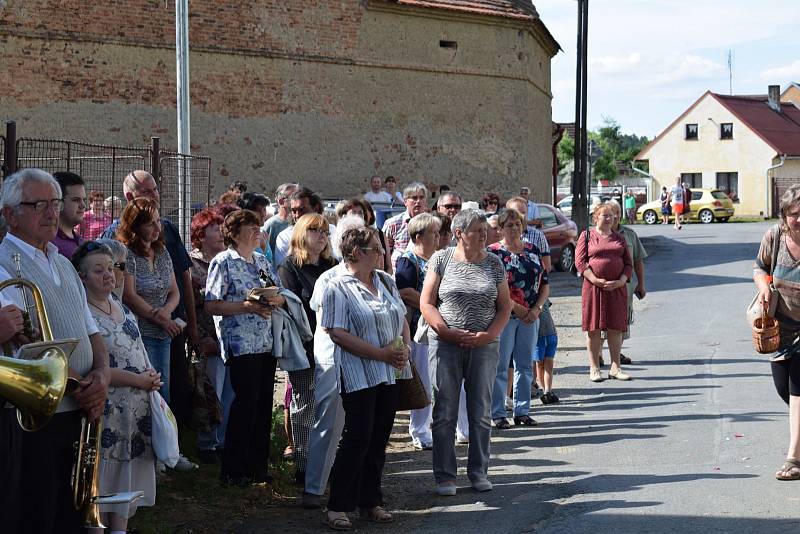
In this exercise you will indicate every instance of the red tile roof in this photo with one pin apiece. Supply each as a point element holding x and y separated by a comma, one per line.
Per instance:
<point>515,9</point>
<point>781,131</point>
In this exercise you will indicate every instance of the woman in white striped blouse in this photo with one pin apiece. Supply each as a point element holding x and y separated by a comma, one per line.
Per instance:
<point>363,313</point>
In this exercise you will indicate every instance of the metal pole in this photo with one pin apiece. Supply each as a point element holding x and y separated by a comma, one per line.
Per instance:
<point>577,172</point>
<point>584,101</point>
<point>182,72</point>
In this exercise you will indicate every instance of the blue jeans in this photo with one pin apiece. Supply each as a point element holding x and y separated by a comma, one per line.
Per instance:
<point>517,341</point>
<point>158,354</point>
<point>220,377</point>
<point>450,365</point>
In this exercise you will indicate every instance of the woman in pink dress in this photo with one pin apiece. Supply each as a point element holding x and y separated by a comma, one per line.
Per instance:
<point>96,219</point>
<point>603,260</point>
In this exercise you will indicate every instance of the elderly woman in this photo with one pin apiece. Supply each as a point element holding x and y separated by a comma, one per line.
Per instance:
<point>603,260</point>
<point>150,289</point>
<point>410,276</point>
<point>527,280</point>
<point>784,277</point>
<point>96,218</point>
<point>207,242</point>
<point>126,453</point>
<point>246,330</point>
<point>364,315</point>
<point>465,300</point>
<point>362,208</point>
<point>309,256</point>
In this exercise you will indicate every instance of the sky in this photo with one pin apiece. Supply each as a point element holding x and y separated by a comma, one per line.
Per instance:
<point>649,60</point>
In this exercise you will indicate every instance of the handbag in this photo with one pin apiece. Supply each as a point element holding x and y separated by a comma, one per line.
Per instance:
<point>206,407</point>
<point>754,309</point>
<point>411,392</point>
<point>164,430</point>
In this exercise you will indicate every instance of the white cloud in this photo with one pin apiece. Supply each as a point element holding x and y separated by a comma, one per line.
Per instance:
<point>654,70</point>
<point>786,73</point>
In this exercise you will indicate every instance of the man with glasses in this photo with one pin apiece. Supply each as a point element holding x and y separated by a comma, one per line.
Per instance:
<point>395,228</point>
<point>449,204</point>
<point>280,221</point>
<point>39,488</point>
<point>302,201</point>
<point>73,193</point>
<point>142,184</point>
<point>532,216</point>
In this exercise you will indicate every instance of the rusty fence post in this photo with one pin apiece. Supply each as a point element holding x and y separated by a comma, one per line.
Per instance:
<point>10,149</point>
<point>154,159</point>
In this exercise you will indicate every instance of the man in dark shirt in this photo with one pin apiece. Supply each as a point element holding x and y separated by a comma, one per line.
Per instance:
<point>73,193</point>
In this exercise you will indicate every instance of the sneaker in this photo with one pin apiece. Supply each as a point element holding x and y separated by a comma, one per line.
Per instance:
<point>446,489</point>
<point>509,403</point>
<point>595,376</point>
<point>184,464</point>
<point>461,439</point>
<point>482,485</point>
<point>422,445</point>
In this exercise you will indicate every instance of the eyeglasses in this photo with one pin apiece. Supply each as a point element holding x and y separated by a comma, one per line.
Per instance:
<point>120,265</point>
<point>320,231</point>
<point>371,249</point>
<point>452,206</point>
<point>40,206</point>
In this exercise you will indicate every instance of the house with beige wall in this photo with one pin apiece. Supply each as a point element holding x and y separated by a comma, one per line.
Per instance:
<point>747,146</point>
<point>791,94</point>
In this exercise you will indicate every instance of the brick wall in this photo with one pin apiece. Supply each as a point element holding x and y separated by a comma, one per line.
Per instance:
<point>326,92</point>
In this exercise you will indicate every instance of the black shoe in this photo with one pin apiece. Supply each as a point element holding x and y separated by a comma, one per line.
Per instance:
<point>300,478</point>
<point>238,482</point>
<point>311,501</point>
<point>208,457</point>
<point>624,359</point>
<point>549,398</point>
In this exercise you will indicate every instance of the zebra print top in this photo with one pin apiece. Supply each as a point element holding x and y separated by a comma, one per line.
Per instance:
<point>467,291</point>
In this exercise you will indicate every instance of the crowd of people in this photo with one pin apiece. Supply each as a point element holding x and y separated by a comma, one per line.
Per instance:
<point>343,308</point>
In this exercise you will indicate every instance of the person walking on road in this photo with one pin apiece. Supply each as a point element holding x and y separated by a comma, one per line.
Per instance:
<point>676,202</point>
<point>603,260</point>
<point>784,277</point>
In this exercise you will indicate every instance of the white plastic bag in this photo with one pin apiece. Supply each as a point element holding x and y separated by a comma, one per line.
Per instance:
<point>164,430</point>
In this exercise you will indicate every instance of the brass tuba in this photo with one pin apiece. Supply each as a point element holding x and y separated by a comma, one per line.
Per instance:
<point>35,386</point>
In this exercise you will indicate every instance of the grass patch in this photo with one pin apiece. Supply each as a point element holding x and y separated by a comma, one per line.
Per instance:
<point>196,502</point>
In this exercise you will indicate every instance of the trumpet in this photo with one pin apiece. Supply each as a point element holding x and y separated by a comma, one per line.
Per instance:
<point>85,472</point>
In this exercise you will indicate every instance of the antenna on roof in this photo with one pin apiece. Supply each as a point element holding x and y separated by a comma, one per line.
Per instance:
<point>730,72</point>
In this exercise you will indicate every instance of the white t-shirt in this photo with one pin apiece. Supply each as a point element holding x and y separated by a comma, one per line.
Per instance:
<point>380,196</point>
<point>677,194</point>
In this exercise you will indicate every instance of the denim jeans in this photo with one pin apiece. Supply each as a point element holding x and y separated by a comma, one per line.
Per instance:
<point>219,375</point>
<point>517,341</point>
<point>158,351</point>
<point>450,365</point>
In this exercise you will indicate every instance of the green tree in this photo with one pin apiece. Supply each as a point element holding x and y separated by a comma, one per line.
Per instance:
<point>566,151</point>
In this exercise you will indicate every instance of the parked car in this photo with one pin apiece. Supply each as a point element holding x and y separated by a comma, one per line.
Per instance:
<point>561,234</point>
<point>707,206</point>
<point>565,204</point>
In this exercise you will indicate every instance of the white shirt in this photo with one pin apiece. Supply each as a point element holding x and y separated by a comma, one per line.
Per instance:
<point>380,196</point>
<point>12,295</point>
<point>282,244</point>
<point>323,344</point>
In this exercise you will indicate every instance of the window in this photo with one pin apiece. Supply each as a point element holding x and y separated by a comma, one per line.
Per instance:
<point>726,130</point>
<point>693,179</point>
<point>728,182</point>
<point>547,217</point>
<point>691,131</point>
<point>448,44</point>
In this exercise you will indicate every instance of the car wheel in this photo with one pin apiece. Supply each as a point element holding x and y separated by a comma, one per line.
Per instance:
<point>650,217</point>
<point>706,216</point>
<point>567,260</point>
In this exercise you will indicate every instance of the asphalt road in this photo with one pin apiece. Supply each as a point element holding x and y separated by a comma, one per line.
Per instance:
<point>690,445</point>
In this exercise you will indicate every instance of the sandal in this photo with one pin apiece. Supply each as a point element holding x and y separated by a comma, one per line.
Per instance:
<point>525,420</point>
<point>502,424</point>
<point>376,514</point>
<point>337,521</point>
<point>790,470</point>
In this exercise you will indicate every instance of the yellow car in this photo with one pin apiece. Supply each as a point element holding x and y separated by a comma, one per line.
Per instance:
<point>707,206</point>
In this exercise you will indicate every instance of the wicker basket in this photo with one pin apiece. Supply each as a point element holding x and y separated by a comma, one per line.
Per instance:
<point>766,335</point>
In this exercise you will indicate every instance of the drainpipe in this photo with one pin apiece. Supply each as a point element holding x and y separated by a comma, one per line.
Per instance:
<point>767,212</point>
<point>650,177</point>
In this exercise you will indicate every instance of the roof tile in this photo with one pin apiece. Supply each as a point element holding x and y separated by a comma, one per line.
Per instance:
<point>780,130</point>
<point>516,9</point>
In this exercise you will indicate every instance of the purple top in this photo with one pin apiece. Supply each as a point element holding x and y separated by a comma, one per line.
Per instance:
<point>66,245</point>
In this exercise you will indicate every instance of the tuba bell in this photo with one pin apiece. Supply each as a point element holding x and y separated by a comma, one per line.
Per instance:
<point>36,386</point>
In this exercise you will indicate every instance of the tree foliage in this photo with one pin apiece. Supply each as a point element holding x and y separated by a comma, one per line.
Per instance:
<point>616,147</point>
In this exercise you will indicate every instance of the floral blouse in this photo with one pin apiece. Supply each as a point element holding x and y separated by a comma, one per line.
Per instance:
<point>524,272</point>
<point>126,431</point>
<point>230,278</point>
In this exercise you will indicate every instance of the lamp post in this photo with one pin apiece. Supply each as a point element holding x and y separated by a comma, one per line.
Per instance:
<point>580,198</point>
<point>182,78</point>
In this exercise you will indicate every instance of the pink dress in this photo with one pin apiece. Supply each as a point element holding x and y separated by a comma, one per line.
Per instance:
<point>608,258</point>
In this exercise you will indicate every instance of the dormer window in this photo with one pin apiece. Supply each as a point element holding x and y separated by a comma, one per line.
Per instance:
<point>726,130</point>
<point>691,132</point>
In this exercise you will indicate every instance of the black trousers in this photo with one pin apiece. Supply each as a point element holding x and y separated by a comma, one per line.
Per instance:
<point>180,389</point>
<point>247,435</point>
<point>46,496</point>
<point>10,470</point>
<point>357,470</point>
<point>786,376</point>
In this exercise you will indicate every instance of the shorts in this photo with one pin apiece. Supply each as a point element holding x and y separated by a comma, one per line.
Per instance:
<point>665,209</point>
<point>545,347</point>
<point>677,209</point>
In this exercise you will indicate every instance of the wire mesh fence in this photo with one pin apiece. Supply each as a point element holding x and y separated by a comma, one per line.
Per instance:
<point>183,180</point>
<point>3,154</point>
